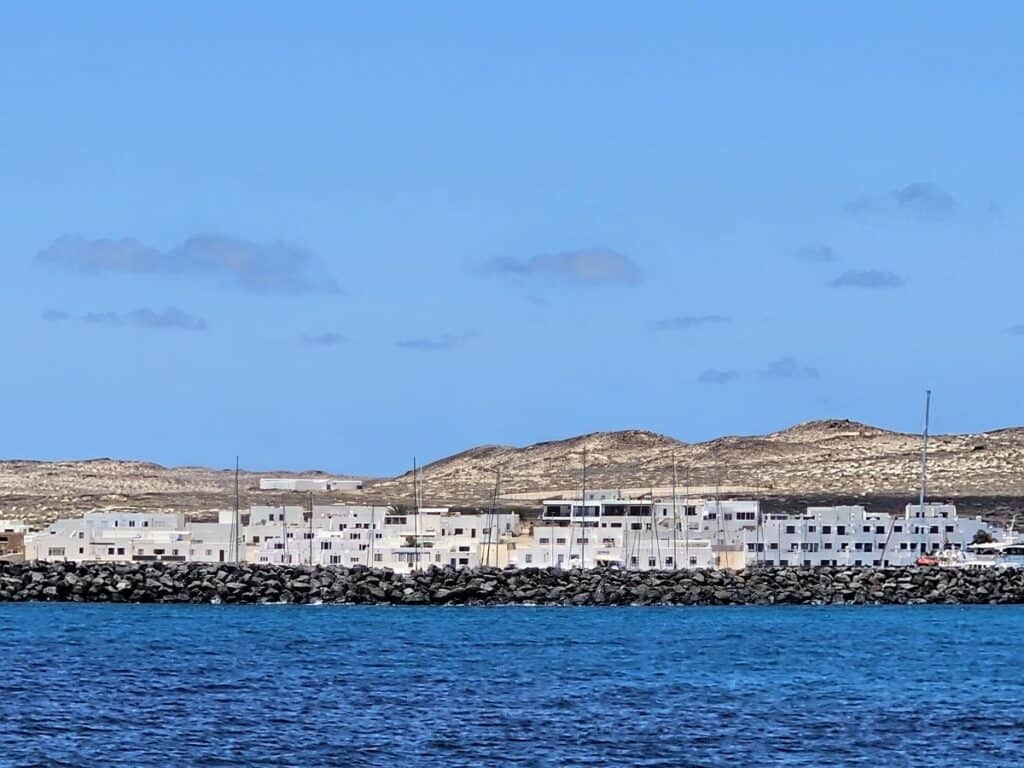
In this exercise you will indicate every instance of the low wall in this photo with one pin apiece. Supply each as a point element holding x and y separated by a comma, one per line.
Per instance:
<point>200,583</point>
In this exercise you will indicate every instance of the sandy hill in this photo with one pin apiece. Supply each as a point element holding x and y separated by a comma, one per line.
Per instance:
<point>815,461</point>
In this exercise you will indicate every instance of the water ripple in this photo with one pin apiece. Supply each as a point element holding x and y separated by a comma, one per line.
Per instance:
<point>148,685</point>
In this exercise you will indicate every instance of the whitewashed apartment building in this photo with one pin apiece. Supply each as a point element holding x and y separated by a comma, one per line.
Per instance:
<point>382,537</point>
<point>112,537</point>
<point>850,535</point>
<point>605,530</point>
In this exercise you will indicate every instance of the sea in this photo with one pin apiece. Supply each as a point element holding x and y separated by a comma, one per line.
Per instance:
<point>150,685</point>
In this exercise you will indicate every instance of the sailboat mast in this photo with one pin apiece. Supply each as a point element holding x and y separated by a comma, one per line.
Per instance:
<point>583,538</point>
<point>236,523</point>
<point>675,518</point>
<point>416,519</point>
<point>924,448</point>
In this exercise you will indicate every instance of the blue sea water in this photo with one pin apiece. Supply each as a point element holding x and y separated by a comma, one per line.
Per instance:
<point>152,685</point>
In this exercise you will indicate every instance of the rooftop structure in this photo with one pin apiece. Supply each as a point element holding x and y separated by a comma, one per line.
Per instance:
<point>308,484</point>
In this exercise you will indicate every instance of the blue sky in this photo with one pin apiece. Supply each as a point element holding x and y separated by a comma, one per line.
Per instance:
<point>339,235</point>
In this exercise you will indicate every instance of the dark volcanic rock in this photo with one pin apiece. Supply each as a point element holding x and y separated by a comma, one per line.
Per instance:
<point>229,583</point>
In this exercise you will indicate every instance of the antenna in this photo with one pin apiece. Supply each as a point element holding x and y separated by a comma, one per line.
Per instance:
<point>924,450</point>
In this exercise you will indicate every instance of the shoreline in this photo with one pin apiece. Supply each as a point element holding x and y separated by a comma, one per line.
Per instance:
<point>195,583</point>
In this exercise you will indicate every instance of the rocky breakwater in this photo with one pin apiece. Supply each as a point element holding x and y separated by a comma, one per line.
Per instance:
<point>229,583</point>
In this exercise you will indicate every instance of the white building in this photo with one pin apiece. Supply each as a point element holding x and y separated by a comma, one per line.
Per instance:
<point>384,537</point>
<point>605,530</point>
<point>112,537</point>
<point>308,484</point>
<point>851,535</point>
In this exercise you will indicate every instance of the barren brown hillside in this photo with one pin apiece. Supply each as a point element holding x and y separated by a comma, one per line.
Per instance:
<point>816,461</point>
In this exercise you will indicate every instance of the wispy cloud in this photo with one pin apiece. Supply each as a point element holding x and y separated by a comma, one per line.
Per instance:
<point>444,341</point>
<point>818,253</point>
<point>867,278</point>
<point>329,339</point>
<point>168,318</point>
<point>1016,330</point>
<point>921,198</point>
<point>588,265</point>
<point>787,368</point>
<point>683,322</point>
<point>55,316</point>
<point>716,376</point>
<point>276,267</point>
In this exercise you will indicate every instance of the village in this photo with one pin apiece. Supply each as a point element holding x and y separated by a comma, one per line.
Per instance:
<point>598,529</point>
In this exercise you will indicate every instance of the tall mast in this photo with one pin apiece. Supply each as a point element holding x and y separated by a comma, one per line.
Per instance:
<point>236,523</point>
<point>686,518</point>
<point>583,538</point>
<point>655,539</point>
<point>492,518</point>
<point>310,535</point>
<point>924,448</point>
<point>924,455</point>
<point>416,520</point>
<point>675,517</point>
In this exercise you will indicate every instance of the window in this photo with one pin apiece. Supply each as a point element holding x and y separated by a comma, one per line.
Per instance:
<point>826,529</point>
<point>460,531</point>
<point>55,552</point>
<point>867,529</point>
<point>879,529</point>
<point>559,541</point>
<point>933,529</point>
<point>949,529</point>
<point>898,529</point>
<point>544,540</point>
<point>636,526</point>
<point>812,528</point>
<point>841,530</point>
<point>668,561</point>
<point>463,549</point>
<point>377,557</point>
<point>651,562</point>
<point>827,545</point>
<point>110,550</point>
<point>868,546</point>
<point>159,551</point>
<point>255,539</point>
<point>693,560</point>
<point>528,558</point>
<point>463,561</point>
<point>582,541</point>
<point>325,545</point>
<point>773,545</point>
<point>790,529</point>
<point>120,550</point>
